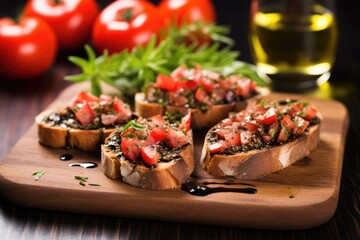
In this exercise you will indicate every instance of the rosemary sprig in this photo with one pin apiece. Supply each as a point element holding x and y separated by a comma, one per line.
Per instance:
<point>131,71</point>
<point>83,181</point>
<point>38,174</point>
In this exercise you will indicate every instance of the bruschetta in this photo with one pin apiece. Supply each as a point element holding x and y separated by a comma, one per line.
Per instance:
<point>208,95</point>
<point>153,153</point>
<point>84,123</point>
<point>262,139</point>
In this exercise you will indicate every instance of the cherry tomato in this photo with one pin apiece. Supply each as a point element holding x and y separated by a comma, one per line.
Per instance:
<point>125,24</point>
<point>72,20</point>
<point>188,11</point>
<point>27,48</point>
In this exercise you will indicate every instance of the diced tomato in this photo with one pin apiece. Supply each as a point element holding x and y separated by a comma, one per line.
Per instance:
<point>200,95</point>
<point>295,108</point>
<point>179,72</point>
<point>236,125</point>
<point>221,132</point>
<point>123,109</point>
<point>186,83</point>
<point>158,128</point>
<point>287,122</point>
<point>150,155</point>
<point>268,117</point>
<point>243,87</point>
<point>245,137</point>
<point>215,147</point>
<point>283,135</point>
<point>186,122</point>
<point>165,82</point>
<point>274,129</point>
<point>83,112</point>
<point>232,138</point>
<point>177,138</point>
<point>130,147</point>
<point>251,126</point>
<point>207,83</point>
<point>108,119</point>
<point>83,96</point>
<point>226,122</point>
<point>177,100</point>
<point>309,113</point>
<point>300,126</point>
<point>266,138</point>
<point>104,97</point>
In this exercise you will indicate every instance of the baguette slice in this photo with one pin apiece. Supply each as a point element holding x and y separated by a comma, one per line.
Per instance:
<point>84,123</point>
<point>166,175</point>
<point>258,163</point>
<point>213,115</point>
<point>61,137</point>
<point>150,153</point>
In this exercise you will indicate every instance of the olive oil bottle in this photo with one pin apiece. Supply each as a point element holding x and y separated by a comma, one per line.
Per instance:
<point>294,47</point>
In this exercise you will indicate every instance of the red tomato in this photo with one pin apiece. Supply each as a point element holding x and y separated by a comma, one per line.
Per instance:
<point>165,82</point>
<point>150,155</point>
<point>27,49</point>
<point>125,24</point>
<point>215,147</point>
<point>188,11</point>
<point>84,113</point>
<point>186,122</point>
<point>72,20</point>
<point>268,117</point>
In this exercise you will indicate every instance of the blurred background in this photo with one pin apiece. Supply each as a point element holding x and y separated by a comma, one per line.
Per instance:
<point>236,15</point>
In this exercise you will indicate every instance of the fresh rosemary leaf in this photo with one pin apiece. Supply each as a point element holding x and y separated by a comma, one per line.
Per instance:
<point>38,174</point>
<point>94,184</point>
<point>130,72</point>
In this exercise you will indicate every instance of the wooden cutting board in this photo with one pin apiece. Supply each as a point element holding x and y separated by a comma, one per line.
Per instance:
<point>301,196</point>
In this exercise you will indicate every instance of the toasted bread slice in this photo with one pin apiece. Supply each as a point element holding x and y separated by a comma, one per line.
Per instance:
<point>150,153</point>
<point>166,175</point>
<point>64,137</point>
<point>200,119</point>
<point>267,149</point>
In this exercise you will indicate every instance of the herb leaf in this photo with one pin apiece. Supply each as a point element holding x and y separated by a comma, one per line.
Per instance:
<point>131,71</point>
<point>38,174</point>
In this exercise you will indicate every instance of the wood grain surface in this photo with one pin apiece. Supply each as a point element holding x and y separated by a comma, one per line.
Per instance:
<point>301,196</point>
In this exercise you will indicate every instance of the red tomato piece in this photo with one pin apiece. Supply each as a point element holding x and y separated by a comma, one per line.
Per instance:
<point>215,147</point>
<point>186,122</point>
<point>201,95</point>
<point>283,135</point>
<point>84,113</point>
<point>177,138</point>
<point>28,48</point>
<point>123,110</point>
<point>287,122</point>
<point>245,137</point>
<point>165,82</point>
<point>251,126</point>
<point>300,126</point>
<point>83,96</point>
<point>232,138</point>
<point>71,20</point>
<point>108,119</point>
<point>268,117</point>
<point>309,113</point>
<point>150,155</point>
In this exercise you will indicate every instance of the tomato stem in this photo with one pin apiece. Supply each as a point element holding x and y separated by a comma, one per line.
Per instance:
<point>57,1</point>
<point>127,14</point>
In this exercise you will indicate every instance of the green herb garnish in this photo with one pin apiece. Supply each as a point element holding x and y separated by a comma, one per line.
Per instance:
<point>83,181</point>
<point>132,124</point>
<point>38,174</point>
<point>131,71</point>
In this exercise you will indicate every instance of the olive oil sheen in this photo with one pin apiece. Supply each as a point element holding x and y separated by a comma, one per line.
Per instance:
<point>294,47</point>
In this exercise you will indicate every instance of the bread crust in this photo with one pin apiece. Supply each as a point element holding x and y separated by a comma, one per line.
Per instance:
<point>212,116</point>
<point>59,137</point>
<point>259,163</point>
<point>166,175</point>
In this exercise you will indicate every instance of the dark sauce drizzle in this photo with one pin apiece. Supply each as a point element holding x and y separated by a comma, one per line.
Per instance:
<point>201,189</point>
<point>84,164</point>
<point>66,157</point>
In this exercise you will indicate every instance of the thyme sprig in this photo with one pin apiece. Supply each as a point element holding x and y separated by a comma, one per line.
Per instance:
<point>38,174</point>
<point>131,71</point>
<point>83,181</point>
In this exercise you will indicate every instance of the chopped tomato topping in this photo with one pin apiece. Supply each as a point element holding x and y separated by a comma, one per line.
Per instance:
<point>150,155</point>
<point>287,122</point>
<point>84,113</point>
<point>165,82</point>
<point>309,113</point>
<point>186,122</point>
<point>215,147</point>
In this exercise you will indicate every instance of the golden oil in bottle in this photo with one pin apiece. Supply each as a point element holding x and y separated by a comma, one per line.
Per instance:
<point>294,48</point>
